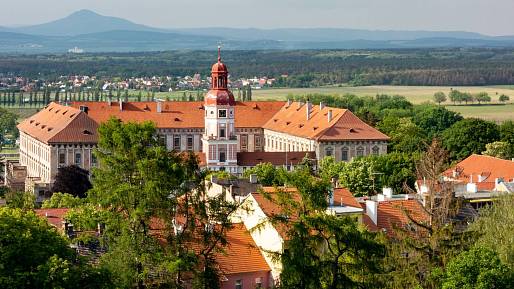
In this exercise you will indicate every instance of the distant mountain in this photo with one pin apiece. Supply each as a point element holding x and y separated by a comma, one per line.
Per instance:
<point>97,33</point>
<point>82,22</point>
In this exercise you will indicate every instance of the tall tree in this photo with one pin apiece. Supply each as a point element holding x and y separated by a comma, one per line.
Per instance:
<point>439,97</point>
<point>72,180</point>
<point>469,136</point>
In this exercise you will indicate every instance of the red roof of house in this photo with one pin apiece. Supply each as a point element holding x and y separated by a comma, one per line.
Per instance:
<point>275,158</point>
<point>490,168</point>
<point>242,254</point>
<point>60,124</point>
<point>393,214</point>
<point>180,114</point>
<point>343,197</point>
<point>344,125</point>
<point>54,216</point>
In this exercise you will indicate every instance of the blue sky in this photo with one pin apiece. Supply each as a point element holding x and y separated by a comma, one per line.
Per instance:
<point>493,17</point>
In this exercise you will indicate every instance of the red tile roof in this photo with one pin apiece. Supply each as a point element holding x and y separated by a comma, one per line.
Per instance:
<point>242,254</point>
<point>344,125</point>
<point>490,168</point>
<point>53,216</point>
<point>393,214</point>
<point>275,158</point>
<point>60,124</point>
<point>180,114</point>
<point>343,197</point>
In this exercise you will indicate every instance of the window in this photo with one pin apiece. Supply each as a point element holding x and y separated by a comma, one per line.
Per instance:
<point>239,284</point>
<point>222,155</point>
<point>190,142</point>
<point>360,151</point>
<point>222,113</point>
<point>93,159</point>
<point>162,140</point>
<point>244,142</point>
<point>222,132</point>
<point>258,142</point>
<point>344,154</point>
<point>258,282</point>
<point>62,158</point>
<point>176,143</point>
<point>78,159</point>
<point>329,152</point>
<point>375,150</point>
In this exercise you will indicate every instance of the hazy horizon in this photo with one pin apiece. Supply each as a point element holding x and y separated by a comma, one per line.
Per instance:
<point>486,17</point>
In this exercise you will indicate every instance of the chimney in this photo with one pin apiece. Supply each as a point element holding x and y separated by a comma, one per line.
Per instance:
<point>159,106</point>
<point>308,109</point>
<point>121,104</point>
<point>388,192</point>
<point>109,100</point>
<point>331,197</point>
<point>253,178</point>
<point>289,102</point>
<point>321,105</point>
<point>481,178</point>
<point>372,210</point>
<point>329,115</point>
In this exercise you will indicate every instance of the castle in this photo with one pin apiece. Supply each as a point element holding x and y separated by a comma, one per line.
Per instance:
<point>226,134</point>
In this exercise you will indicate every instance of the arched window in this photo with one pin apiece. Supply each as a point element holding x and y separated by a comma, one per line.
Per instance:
<point>375,150</point>
<point>360,151</point>
<point>344,154</point>
<point>329,152</point>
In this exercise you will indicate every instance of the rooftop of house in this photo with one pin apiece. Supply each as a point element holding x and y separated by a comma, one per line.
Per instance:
<point>179,114</point>
<point>55,217</point>
<point>322,124</point>
<point>482,170</point>
<point>60,124</point>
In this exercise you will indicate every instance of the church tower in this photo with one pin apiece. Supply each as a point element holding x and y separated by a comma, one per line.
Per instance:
<point>219,139</point>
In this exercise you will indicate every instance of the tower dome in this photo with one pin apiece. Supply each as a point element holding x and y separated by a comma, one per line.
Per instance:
<point>219,94</point>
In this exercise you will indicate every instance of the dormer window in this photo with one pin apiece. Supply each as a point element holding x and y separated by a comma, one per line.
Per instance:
<point>222,113</point>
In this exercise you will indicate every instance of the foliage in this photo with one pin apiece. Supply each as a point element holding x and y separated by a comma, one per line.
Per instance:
<point>507,132</point>
<point>73,180</point>
<point>405,136</point>
<point>267,174</point>
<point>503,98</point>
<point>439,97</point>
<point>395,170</point>
<point>357,176</point>
<point>20,200</point>
<point>499,149</point>
<point>469,136</point>
<point>33,255</point>
<point>478,268</point>
<point>60,200</point>
<point>482,97</point>
<point>433,120</point>
<point>495,226</point>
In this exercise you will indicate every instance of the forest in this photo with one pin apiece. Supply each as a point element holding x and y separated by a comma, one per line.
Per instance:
<point>291,68</point>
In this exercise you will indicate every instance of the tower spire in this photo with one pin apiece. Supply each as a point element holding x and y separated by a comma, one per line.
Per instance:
<point>219,53</point>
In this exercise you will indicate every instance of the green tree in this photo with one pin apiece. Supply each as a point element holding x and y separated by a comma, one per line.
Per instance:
<point>507,131</point>
<point>439,97</point>
<point>358,175</point>
<point>73,180</point>
<point>60,200</point>
<point>478,268</point>
<point>433,120</point>
<point>20,200</point>
<point>499,149</point>
<point>482,97</point>
<point>503,98</point>
<point>33,255</point>
<point>456,96</point>
<point>267,174</point>
<point>469,136</point>
<point>405,135</point>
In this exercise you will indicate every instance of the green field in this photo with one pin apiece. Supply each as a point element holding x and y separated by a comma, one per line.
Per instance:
<point>415,94</point>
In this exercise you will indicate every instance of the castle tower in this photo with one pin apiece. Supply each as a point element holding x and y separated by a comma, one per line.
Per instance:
<point>219,139</point>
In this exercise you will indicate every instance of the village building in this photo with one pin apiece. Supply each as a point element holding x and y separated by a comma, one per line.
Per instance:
<point>226,134</point>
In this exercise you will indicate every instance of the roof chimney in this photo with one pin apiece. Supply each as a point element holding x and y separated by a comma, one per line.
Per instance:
<point>289,102</point>
<point>331,197</point>
<point>329,115</point>
<point>372,210</point>
<point>159,106</point>
<point>84,109</point>
<point>121,104</point>
<point>253,178</point>
<point>308,109</point>
<point>321,105</point>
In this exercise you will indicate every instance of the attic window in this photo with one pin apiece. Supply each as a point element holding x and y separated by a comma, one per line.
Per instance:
<point>57,111</point>
<point>201,107</point>
<point>72,115</point>
<point>146,108</point>
<point>31,121</point>
<point>64,112</point>
<point>352,130</point>
<point>315,128</point>
<point>177,119</point>
<point>288,122</point>
<point>50,109</point>
<point>37,123</point>
<point>49,129</point>
<point>275,120</point>
<point>255,106</point>
<point>43,126</point>
<point>87,132</point>
<point>300,125</point>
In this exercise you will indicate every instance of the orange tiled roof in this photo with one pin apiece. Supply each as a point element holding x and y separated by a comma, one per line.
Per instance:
<point>292,119</point>
<point>180,114</point>
<point>242,254</point>
<point>343,197</point>
<point>60,124</point>
<point>275,158</point>
<point>490,168</point>
<point>392,214</point>
<point>53,216</point>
